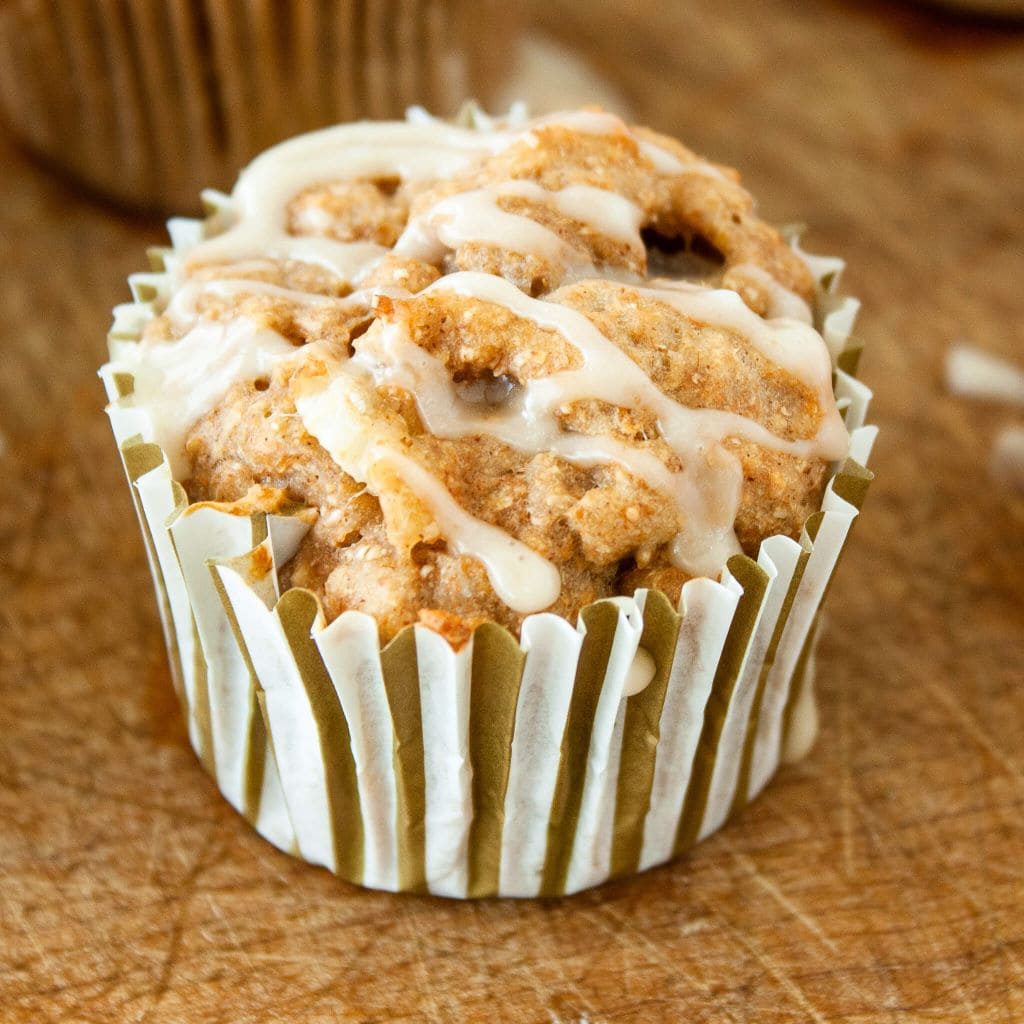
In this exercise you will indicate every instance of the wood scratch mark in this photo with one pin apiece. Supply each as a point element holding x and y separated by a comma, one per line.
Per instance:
<point>765,883</point>
<point>29,932</point>
<point>529,972</point>
<point>883,972</point>
<point>846,792</point>
<point>88,787</point>
<point>163,982</point>
<point>603,910</point>
<point>977,900</point>
<point>426,987</point>
<point>523,968</point>
<point>22,572</point>
<point>783,900</point>
<point>254,973</point>
<point>909,875</point>
<point>982,906</point>
<point>795,992</point>
<point>964,1004</point>
<point>973,728</point>
<point>976,965</point>
<point>955,986</point>
<point>297,1007</point>
<point>987,913</point>
<point>623,925</point>
<point>566,985</point>
<point>183,899</point>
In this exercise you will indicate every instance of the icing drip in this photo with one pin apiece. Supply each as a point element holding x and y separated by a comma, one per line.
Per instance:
<point>177,382</point>
<point>524,580</point>
<point>784,303</point>
<point>600,122</point>
<point>788,342</point>
<point>183,309</point>
<point>259,202</point>
<point>476,217</point>
<point>640,673</point>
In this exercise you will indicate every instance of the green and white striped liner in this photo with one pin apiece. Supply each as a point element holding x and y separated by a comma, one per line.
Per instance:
<point>509,767</point>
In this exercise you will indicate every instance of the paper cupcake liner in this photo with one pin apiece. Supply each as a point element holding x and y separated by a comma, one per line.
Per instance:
<point>510,767</point>
<point>150,100</point>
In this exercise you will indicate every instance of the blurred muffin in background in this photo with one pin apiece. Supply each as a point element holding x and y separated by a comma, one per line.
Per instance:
<point>148,101</point>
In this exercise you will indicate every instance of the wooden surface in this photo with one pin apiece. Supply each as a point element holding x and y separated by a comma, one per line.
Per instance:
<point>882,880</point>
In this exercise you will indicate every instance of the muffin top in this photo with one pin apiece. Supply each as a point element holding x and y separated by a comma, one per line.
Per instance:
<point>511,367</point>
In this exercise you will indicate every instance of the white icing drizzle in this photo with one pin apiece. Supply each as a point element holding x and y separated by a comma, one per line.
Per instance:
<point>415,150</point>
<point>177,382</point>
<point>347,261</point>
<point>665,163</point>
<point>592,122</point>
<point>610,375</point>
<point>259,203</point>
<point>606,213</point>
<point>524,580</point>
<point>476,216</point>
<point>364,448</point>
<point>181,381</point>
<point>183,309</point>
<point>708,500</point>
<point>600,122</point>
<point>784,303</point>
<point>787,342</point>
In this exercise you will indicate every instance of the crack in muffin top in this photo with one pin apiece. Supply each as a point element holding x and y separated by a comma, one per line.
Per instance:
<point>511,367</point>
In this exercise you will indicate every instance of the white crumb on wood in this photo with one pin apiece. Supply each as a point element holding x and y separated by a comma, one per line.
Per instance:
<point>976,374</point>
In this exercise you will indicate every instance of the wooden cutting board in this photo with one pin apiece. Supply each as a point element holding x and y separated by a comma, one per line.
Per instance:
<point>882,880</point>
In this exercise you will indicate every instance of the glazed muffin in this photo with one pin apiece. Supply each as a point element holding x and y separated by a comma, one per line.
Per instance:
<point>493,375</point>
<point>511,371</point>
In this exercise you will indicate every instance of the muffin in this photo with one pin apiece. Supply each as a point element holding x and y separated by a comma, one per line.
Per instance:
<point>492,475</point>
<point>177,96</point>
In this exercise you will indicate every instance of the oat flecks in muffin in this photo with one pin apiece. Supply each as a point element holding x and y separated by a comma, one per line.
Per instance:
<point>531,365</point>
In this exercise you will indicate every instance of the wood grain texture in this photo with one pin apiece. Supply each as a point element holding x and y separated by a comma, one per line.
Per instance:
<point>880,881</point>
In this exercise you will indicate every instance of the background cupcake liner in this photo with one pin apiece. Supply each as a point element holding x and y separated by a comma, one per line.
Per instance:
<point>509,767</point>
<point>150,100</point>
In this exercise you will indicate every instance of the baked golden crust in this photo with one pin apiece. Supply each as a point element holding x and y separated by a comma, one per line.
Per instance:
<point>605,530</point>
<point>365,210</point>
